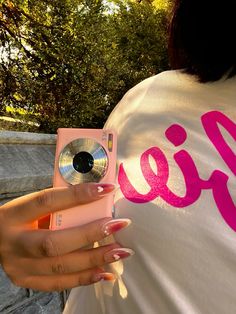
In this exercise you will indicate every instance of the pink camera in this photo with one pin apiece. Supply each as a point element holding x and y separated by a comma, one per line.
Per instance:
<point>84,155</point>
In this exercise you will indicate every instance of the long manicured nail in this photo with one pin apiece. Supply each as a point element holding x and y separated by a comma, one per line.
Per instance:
<point>116,254</point>
<point>103,276</point>
<point>115,225</point>
<point>104,188</point>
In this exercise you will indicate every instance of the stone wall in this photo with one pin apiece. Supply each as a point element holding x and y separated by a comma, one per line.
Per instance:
<point>26,165</point>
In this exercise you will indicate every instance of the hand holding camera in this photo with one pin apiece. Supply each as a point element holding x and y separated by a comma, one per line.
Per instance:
<point>80,205</point>
<point>47,260</point>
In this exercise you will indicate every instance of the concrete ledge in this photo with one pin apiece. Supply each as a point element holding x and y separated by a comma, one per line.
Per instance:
<point>12,137</point>
<point>25,167</point>
<point>26,162</point>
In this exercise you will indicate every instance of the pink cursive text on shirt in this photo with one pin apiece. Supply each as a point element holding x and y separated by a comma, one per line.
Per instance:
<point>217,182</point>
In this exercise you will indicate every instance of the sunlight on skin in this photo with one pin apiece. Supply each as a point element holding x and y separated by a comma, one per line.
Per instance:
<point>117,268</point>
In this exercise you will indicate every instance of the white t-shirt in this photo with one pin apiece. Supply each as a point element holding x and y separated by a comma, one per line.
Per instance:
<point>177,166</point>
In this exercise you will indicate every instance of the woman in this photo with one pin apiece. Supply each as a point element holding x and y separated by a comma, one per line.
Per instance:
<point>176,135</point>
<point>176,144</point>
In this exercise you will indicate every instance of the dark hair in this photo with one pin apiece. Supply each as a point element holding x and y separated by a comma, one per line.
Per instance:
<point>202,35</point>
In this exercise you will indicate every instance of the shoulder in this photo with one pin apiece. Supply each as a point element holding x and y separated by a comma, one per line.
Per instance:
<point>163,81</point>
<point>160,80</point>
<point>147,89</point>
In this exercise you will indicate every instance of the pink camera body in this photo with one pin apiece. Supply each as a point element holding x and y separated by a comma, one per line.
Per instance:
<point>106,141</point>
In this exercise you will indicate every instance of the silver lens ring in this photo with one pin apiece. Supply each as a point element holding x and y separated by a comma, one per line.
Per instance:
<point>83,160</point>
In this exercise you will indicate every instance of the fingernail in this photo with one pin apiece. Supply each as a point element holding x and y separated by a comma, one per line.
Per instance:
<point>103,276</point>
<point>116,254</point>
<point>115,225</point>
<point>105,188</point>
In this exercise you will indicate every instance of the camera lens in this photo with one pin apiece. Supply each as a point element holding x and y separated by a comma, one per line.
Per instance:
<point>83,162</point>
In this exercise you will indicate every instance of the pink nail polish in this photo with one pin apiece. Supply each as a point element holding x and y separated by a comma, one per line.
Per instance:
<point>115,225</point>
<point>103,276</point>
<point>105,188</point>
<point>116,254</point>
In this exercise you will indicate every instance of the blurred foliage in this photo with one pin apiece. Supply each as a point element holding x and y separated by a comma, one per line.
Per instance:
<point>69,62</point>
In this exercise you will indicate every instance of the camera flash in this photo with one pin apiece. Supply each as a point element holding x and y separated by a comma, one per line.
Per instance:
<point>110,142</point>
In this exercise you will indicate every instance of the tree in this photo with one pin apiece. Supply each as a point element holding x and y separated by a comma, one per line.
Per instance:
<point>69,62</point>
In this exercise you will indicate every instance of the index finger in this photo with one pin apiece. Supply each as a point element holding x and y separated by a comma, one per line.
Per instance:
<point>39,204</point>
